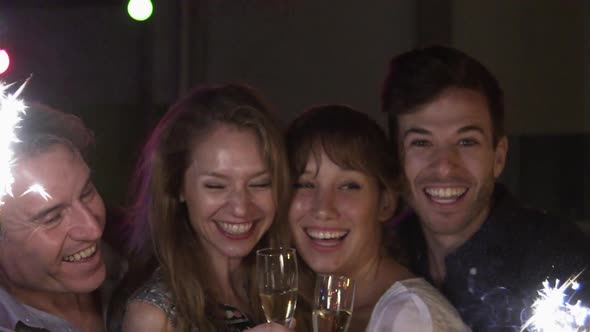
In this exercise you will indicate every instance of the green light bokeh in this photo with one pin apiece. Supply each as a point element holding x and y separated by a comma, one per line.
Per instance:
<point>140,10</point>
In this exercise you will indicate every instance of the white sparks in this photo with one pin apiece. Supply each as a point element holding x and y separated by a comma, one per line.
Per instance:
<point>552,312</point>
<point>11,109</point>
<point>37,188</point>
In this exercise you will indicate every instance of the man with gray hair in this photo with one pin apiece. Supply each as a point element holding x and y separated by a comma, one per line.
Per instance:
<point>52,260</point>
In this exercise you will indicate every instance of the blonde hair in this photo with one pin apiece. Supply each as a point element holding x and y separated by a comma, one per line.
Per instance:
<point>159,216</point>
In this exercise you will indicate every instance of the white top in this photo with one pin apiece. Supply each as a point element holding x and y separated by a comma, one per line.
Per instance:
<point>413,305</point>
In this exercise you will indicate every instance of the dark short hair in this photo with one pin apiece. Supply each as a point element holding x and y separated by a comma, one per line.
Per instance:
<point>42,127</point>
<point>420,76</point>
<point>350,138</point>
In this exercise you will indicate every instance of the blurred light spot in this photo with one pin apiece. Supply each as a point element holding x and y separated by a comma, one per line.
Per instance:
<point>140,10</point>
<point>4,61</point>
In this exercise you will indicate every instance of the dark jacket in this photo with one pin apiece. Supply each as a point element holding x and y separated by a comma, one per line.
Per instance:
<point>494,277</point>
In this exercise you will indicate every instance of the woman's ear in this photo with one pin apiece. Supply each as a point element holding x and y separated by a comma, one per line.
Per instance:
<point>387,205</point>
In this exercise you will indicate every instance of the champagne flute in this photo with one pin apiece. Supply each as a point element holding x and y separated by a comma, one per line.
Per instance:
<point>333,300</point>
<point>276,270</point>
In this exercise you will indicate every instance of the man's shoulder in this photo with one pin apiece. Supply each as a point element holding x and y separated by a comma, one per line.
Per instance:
<point>541,236</point>
<point>526,222</point>
<point>11,311</point>
<point>542,244</point>
<point>538,225</point>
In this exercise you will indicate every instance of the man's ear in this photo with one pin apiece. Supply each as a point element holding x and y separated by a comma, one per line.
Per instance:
<point>500,153</point>
<point>387,205</point>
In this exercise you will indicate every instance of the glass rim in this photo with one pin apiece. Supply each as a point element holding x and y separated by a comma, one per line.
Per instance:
<point>275,251</point>
<point>337,276</point>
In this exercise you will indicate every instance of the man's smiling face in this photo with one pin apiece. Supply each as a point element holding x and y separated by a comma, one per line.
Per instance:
<point>450,161</point>
<point>51,242</point>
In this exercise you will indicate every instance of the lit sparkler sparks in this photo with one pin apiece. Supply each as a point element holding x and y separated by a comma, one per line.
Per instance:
<point>38,189</point>
<point>554,313</point>
<point>11,110</point>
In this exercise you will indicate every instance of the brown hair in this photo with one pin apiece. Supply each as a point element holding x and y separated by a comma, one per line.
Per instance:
<point>419,76</point>
<point>158,214</point>
<point>351,139</point>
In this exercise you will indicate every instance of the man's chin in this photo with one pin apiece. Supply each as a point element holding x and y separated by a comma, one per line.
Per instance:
<point>87,284</point>
<point>442,224</point>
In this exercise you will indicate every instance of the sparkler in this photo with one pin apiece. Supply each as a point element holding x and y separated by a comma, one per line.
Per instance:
<point>38,189</point>
<point>11,110</point>
<point>554,313</point>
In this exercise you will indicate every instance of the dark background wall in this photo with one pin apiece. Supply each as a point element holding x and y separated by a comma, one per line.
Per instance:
<point>88,57</point>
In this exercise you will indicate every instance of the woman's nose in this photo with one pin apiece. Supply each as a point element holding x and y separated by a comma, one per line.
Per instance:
<point>324,208</point>
<point>239,202</point>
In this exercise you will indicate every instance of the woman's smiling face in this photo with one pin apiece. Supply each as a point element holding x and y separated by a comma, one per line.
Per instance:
<point>335,217</point>
<point>228,192</point>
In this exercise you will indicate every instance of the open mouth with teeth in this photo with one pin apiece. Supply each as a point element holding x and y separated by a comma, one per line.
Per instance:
<point>235,229</point>
<point>81,255</point>
<point>445,195</point>
<point>326,238</point>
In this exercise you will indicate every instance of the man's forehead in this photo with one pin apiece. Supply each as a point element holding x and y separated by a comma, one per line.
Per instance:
<point>20,208</point>
<point>455,109</point>
<point>433,121</point>
<point>45,164</point>
<point>46,177</point>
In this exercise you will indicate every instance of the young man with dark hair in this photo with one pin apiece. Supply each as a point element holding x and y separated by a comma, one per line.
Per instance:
<point>469,237</point>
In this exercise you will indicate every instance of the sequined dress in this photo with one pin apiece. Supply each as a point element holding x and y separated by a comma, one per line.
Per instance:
<point>156,292</point>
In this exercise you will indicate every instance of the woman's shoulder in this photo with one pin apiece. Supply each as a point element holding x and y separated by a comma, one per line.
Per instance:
<point>419,293</point>
<point>414,301</point>
<point>155,292</point>
<point>142,316</point>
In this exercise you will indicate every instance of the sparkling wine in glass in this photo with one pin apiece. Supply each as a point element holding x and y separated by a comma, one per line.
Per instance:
<point>276,270</point>
<point>333,301</point>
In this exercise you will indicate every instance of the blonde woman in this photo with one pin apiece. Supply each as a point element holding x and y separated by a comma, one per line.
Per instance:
<point>212,183</point>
